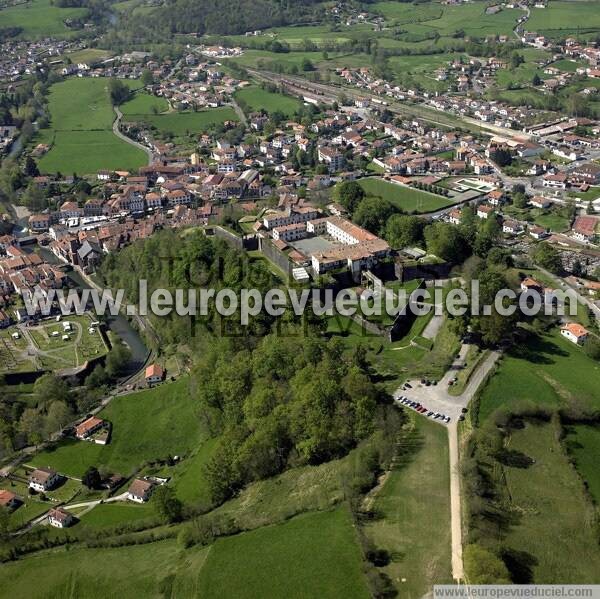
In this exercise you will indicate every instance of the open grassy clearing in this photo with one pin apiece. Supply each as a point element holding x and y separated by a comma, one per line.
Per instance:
<point>144,103</point>
<point>80,132</point>
<point>270,562</point>
<point>113,514</point>
<point>100,573</point>
<point>89,56</point>
<point>182,123</point>
<point>546,370</point>
<point>40,18</point>
<point>563,18</point>
<point>552,519</point>
<point>404,198</point>
<point>414,513</point>
<point>86,152</point>
<point>274,561</point>
<point>147,425</point>
<point>258,99</point>
<point>583,442</point>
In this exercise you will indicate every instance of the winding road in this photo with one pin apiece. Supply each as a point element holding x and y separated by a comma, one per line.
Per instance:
<point>126,139</point>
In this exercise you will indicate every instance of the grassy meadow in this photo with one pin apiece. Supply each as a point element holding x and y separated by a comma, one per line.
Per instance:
<point>80,132</point>
<point>40,18</point>
<point>183,123</point>
<point>147,425</point>
<point>414,509</point>
<point>256,99</point>
<point>404,198</point>
<point>144,103</point>
<point>547,370</point>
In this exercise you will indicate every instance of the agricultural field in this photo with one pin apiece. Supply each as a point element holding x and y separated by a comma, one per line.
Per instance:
<point>43,347</point>
<point>563,18</point>
<point>147,425</point>
<point>274,561</point>
<point>404,198</point>
<point>552,515</point>
<point>414,509</point>
<point>80,132</point>
<point>546,370</point>
<point>144,103</point>
<point>183,123</point>
<point>40,18</point>
<point>255,99</point>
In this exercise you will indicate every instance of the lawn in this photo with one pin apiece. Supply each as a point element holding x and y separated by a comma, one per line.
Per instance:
<point>40,18</point>
<point>144,103</point>
<point>404,198</point>
<point>583,442</point>
<point>147,425</point>
<point>312,555</point>
<point>551,524</point>
<point>80,131</point>
<point>89,55</point>
<point>182,123</point>
<point>546,370</point>
<point>414,505</point>
<point>256,99</point>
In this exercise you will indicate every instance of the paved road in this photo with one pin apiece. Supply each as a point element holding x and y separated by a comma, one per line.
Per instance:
<point>437,399</point>
<point>118,133</point>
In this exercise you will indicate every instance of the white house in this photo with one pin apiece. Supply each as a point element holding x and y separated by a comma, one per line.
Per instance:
<point>575,333</point>
<point>59,518</point>
<point>140,490</point>
<point>43,479</point>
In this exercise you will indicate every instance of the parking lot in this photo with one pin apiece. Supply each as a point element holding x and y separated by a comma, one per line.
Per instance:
<point>433,401</point>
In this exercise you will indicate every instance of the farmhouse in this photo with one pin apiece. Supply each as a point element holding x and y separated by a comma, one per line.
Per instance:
<point>88,427</point>
<point>575,333</point>
<point>59,518</point>
<point>140,490</point>
<point>584,228</point>
<point>8,499</point>
<point>154,374</point>
<point>43,479</point>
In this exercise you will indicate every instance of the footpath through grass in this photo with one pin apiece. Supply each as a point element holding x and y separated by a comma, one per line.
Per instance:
<point>414,510</point>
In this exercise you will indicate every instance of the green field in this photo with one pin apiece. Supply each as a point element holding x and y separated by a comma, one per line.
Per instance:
<point>551,516</point>
<point>547,370</point>
<point>182,123</point>
<point>39,18</point>
<point>113,514</point>
<point>414,509</point>
<point>270,562</point>
<point>583,442</point>
<point>81,130</point>
<point>404,198</point>
<point>143,103</point>
<point>563,18</point>
<point>147,425</point>
<point>256,99</point>
<point>313,555</point>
